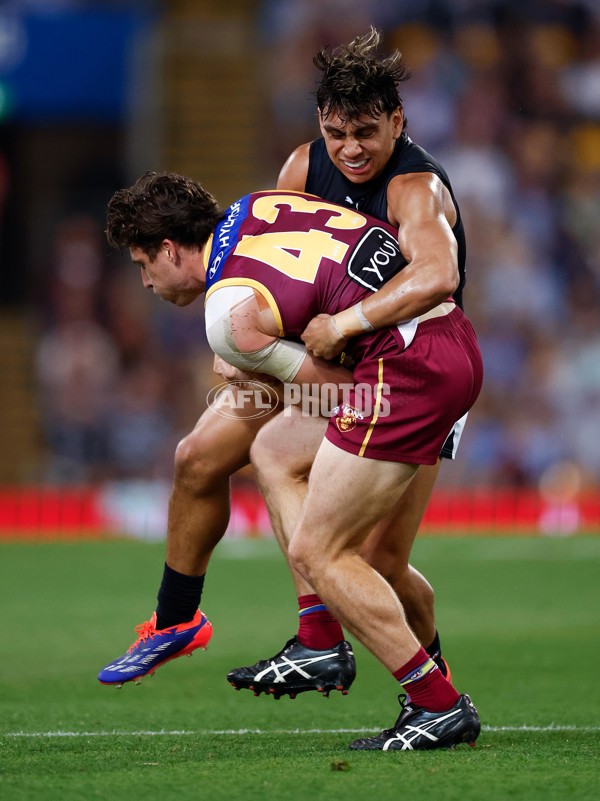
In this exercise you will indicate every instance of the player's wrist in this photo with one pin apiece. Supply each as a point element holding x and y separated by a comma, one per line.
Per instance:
<point>335,326</point>
<point>352,322</point>
<point>365,324</point>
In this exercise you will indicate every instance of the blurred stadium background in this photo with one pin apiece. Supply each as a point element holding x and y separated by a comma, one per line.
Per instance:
<point>100,380</point>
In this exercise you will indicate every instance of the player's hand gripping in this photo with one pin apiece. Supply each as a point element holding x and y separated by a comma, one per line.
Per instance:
<point>229,373</point>
<point>235,376</point>
<point>322,337</point>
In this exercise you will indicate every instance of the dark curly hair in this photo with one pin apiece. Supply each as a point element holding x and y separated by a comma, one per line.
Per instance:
<point>161,206</point>
<point>356,81</point>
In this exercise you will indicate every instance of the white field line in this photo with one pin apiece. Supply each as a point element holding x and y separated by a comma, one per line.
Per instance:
<point>217,732</point>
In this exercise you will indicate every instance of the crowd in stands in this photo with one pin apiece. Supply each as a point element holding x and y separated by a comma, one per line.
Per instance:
<point>121,375</point>
<point>507,96</point>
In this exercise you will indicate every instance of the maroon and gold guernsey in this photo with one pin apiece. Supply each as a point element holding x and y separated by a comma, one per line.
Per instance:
<point>307,256</point>
<point>304,255</point>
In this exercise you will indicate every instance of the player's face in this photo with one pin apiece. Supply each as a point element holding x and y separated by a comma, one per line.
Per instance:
<point>172,275</point>
<point>360,148</point>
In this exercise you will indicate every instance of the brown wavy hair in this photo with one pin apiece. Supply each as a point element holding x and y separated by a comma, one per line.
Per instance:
<point>161,206</point>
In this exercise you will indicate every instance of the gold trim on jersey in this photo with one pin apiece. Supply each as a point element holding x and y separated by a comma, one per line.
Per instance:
<point>206,253</point>
<point>378,394</point>
<point>251,282</point>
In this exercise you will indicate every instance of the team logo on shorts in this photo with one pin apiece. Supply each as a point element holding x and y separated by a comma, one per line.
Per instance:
<point>346,417</point>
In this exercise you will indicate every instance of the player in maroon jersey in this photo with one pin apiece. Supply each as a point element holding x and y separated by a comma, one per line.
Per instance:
<point>268,266</point>
<point>378,168</point>
<point>364,159</point>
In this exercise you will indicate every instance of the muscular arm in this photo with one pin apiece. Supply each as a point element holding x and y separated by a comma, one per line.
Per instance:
<point>259,348</point>
<point>418,204</point>
<point>422,208</point>
<point>295,170</point>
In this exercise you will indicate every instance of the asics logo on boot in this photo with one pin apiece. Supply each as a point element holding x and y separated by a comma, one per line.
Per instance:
<point>285,667</point>
<point>411,733</point>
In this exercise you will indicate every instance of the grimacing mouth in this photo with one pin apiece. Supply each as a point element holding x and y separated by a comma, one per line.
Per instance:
<point>355,164</point>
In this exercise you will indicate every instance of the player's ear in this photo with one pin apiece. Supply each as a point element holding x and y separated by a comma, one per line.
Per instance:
<point>397,120</point>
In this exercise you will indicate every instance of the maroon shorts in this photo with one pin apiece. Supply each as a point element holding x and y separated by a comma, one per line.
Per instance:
<point>404,403</point>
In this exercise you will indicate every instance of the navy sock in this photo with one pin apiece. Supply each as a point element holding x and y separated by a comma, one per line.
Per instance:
<point>178,598</point>
<point>435,652</point>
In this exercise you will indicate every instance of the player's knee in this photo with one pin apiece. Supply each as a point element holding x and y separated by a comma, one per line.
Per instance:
<point>271,455</point>
<point>197,467</point>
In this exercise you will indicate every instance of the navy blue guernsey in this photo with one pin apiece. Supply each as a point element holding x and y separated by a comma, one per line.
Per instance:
<point>325,180</point>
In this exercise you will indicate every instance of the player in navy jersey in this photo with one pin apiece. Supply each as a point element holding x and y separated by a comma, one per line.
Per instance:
<point>268,266</point>
<point>366,160</point>
<point>357,164</point>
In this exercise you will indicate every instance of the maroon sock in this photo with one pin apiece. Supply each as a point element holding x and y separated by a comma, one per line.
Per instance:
<point>424,683</point>
<point>318,628</point>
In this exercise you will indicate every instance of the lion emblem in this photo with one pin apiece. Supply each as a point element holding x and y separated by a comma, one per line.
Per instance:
<point>346,417</point>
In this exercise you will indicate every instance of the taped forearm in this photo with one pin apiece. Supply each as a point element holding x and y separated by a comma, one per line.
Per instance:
<point>281,359</point>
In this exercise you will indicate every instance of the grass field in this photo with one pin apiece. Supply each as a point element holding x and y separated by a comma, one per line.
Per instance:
<point>519,624</point>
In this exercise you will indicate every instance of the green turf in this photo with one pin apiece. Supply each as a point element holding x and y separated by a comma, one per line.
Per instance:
<point>519,625</point>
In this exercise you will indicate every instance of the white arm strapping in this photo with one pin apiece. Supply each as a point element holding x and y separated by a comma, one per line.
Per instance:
<point>281,359</point>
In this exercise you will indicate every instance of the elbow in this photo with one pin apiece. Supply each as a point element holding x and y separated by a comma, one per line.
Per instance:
<point>448,285</point>
<point>451,287</point>
<point>441,292</point>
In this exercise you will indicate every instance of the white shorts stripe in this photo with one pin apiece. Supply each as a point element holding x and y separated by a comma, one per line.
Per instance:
<point>451,445</point>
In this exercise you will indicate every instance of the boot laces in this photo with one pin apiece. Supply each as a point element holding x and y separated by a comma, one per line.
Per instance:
<point>403,701</point>
<point>144,631</point>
